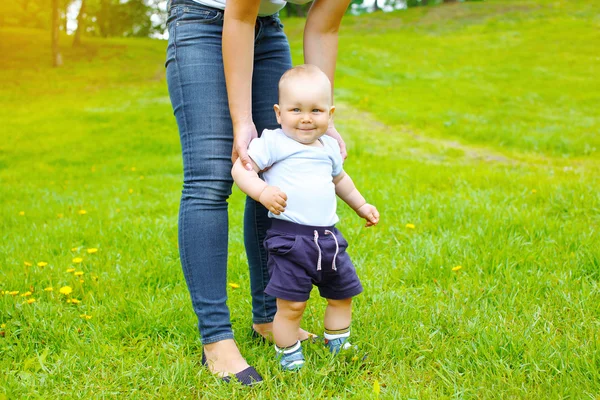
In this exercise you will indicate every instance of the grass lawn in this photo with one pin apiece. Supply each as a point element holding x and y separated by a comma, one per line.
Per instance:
<point>474,128</point>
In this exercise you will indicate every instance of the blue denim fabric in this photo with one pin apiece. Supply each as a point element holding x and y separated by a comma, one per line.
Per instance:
<point>198,94</point>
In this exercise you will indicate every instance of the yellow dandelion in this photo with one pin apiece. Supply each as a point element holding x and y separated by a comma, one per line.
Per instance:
<point>78,260</point>
<point>130,191</point>
<point>234,285</point>
<point>92,250</point>
<point>82,212</point>
<point>376,387</point>
<point>48,289</point>
<point>118,210</point>
<point>85,316</point>
<point>42,264</point>
<point>75,301</point>
<point>2,326</point>
<point>69,270</point>
<point>21,213</point>
<point>93,168</point>
<point>3,292</point>
<point>66,290</point>
<point>74,249</point>
<point>30,301</point>
<point>133,168</point>
<point>81,281</point>
<point>26,294</point>
<point>27,263</point>
<point>14,293</point>
<point>69,301</point>
<point>533,191</point>
<point>60,215</point>
<point>141,176</point>
<point>78,273</point>
<point>410,226</point>
<point>457,268</point>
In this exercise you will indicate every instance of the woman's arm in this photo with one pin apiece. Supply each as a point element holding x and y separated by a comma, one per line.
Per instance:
<point>321,45</point>
<point>321,34</point>
<point>238,59</point>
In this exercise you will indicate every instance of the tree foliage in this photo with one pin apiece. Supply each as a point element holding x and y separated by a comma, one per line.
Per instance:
<point>99,17</point>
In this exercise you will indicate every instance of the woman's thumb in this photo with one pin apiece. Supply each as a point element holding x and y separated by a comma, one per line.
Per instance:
<point>245,160</point>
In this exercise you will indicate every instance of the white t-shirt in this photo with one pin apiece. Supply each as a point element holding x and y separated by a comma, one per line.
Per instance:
<point>304,173</point>
<point>267,7</point>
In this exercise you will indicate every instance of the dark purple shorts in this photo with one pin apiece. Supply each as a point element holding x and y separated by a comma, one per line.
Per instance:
<point>301,256</point>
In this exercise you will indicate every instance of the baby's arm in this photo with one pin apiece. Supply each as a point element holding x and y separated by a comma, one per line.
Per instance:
<point>250,183</point>
<point>347,191</point>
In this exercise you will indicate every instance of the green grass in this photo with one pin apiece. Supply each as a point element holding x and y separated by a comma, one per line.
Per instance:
<point>476,122</point>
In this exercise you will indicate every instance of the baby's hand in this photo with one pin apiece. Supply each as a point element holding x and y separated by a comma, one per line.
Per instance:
<point>370,213</point>
<point>273,199</point>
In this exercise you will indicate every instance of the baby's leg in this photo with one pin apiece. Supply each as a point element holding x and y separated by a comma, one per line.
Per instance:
<point>338,316</point>
<point>285,333</point>
<point>287,322</point>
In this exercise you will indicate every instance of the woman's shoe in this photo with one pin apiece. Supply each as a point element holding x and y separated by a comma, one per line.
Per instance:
<point>247,377</point>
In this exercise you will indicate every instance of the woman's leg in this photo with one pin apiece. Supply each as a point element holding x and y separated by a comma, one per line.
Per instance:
<point>272,59</point>
<point>198,95</point>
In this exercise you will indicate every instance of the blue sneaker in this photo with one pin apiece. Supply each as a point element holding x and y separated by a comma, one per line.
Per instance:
<point>338,344</point>
<point>290,359</point>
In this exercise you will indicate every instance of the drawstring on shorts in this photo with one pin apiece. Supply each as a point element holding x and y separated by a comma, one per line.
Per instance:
<point>337,249</point>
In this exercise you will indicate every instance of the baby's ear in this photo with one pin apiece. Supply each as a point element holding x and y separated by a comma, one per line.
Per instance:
<point>277,113</point>
<point>331,111</point>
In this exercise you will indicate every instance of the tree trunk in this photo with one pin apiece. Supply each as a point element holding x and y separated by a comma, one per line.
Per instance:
<point>299,10</point>
<point>103,16</point>
<point>375,6</point>
<point>77,38</point>
<point>56,56</point>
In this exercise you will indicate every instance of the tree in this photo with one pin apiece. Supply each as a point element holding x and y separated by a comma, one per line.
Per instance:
<point>80,24</point>
<point>55,26</point>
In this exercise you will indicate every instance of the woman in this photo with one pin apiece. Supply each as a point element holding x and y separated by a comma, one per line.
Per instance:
<point>223,68</point>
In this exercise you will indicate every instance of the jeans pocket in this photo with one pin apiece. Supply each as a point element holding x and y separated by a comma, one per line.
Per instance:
<point>199,15</point>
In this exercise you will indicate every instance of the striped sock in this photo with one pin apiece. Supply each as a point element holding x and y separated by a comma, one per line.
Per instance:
<point>331,334</point>
<point>289,349</point>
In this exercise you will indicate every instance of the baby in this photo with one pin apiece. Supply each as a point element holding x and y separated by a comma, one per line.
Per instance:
<point>303,172</point>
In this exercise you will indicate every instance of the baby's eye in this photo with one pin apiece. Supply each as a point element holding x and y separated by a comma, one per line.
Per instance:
<point>316,110</point>
<point>296,110</point>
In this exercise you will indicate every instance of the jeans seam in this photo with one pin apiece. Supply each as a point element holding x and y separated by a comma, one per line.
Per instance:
<point>262,263</point>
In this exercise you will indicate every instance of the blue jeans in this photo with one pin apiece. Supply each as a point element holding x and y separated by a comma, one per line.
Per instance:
<point>198,94</point>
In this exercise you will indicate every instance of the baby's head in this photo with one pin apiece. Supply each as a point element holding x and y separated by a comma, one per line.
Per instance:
<point>304,108</point>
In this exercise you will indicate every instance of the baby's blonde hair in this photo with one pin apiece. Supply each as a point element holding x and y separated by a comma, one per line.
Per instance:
<point>302,71</point>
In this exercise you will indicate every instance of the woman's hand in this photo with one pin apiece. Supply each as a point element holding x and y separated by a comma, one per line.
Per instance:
<point>331,131</point>
<point>242,136</point>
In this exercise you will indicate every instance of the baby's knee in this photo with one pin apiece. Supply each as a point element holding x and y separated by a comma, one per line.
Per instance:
<point>291,307</point>
<point>340,303</point>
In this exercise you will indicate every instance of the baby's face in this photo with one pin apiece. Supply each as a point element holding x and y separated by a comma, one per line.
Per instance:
<point>305,109</point>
